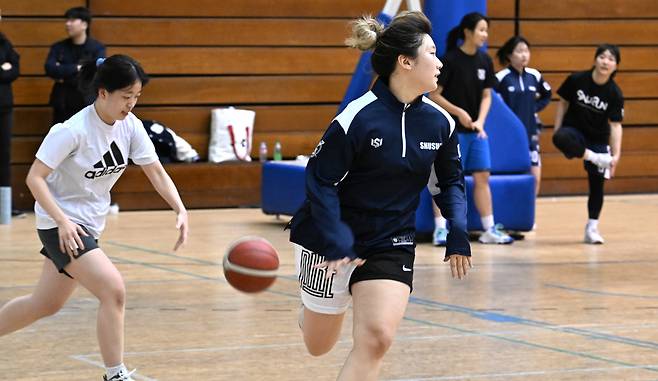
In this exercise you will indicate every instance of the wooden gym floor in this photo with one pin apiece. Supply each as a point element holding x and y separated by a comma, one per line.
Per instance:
<point>545,308</point>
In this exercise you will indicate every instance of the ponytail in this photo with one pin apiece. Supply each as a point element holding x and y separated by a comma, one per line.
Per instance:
<point>455,34</point>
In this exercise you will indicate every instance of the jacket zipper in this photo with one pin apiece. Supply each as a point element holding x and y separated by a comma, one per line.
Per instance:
<point>404,132</point>
<point>521,82</point>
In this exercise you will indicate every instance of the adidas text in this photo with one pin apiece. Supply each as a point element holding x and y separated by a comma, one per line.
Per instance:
<point>103,172</point>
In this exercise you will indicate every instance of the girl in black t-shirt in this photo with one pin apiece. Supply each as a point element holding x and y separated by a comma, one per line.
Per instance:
<point>588,126</point>
<point>464,90</point>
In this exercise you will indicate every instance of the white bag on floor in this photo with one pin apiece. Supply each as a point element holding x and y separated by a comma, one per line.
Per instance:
<point>231,133</point>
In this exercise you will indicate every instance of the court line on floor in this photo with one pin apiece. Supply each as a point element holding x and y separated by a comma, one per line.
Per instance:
<point>515,374</point>
<point>487,316</point>
<point>602,293</point>
<point>85,359</point>
<point>534,345</point>
<point>505,318</point>
<point>213,263</point>
<point>491,316</point>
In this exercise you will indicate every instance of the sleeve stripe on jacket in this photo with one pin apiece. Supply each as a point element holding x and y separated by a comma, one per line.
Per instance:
<point>349,113</point>
<point>444,112</point>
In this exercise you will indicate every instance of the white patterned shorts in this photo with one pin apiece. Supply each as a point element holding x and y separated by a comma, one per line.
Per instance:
<point>319,293</point>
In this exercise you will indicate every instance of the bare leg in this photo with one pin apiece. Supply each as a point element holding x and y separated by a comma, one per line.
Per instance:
<point>97,273</point>
<point>436,210</point>
<point>50,294</point>
<point>321,331</point>
<point>536,171</point>
<point>482,193</point>
<point>379,307</point>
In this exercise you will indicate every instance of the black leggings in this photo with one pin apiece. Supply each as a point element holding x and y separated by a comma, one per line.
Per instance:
<point>5,147</point>
<point>572,143</point>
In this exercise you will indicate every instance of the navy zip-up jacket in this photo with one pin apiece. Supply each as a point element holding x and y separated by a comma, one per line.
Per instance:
<point>364,179</point>
<point>525,93</point>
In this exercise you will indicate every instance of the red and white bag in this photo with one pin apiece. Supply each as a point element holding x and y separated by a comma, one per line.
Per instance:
<point>231,134</point>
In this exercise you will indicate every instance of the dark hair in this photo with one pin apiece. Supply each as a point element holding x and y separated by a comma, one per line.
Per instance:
<point>81,13</point>
<point>469,21</point>
<point>508,48</point>
<point>111,73</point>
<point>403,36</point>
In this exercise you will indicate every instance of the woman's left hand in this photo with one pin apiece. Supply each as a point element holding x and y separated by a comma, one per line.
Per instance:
<point>459,265</point>
<point>182,226</point>
<point>613,165</point>
<point>479,127</point>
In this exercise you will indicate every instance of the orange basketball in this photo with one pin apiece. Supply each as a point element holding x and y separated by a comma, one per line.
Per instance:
<point>250,264</point>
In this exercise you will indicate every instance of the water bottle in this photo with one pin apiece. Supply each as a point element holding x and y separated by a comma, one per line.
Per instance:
<point>262,152</point>
<point>277,151</point>
<point>5,205</point>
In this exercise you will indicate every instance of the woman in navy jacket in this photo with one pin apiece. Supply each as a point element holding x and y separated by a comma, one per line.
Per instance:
<point>525,92</point>
<point>354,235</point>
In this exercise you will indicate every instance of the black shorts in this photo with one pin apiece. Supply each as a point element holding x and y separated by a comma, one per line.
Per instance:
<point>50,240</point>
<point>394,264</point>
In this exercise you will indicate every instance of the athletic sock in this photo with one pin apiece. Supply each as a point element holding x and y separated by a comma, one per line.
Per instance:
<point>112,371</point>
<point>590,155</point>
<point>487,222</point>
<point>440,222</point>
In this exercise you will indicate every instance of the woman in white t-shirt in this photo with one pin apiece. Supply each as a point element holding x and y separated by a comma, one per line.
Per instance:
<point>76,166</point>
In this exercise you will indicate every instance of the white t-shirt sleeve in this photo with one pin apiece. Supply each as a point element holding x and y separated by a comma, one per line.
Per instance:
<point>59,143</point>
<point>142,151</point>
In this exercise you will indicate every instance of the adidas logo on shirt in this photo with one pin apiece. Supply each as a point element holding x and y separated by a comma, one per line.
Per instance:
<point>112,162</point>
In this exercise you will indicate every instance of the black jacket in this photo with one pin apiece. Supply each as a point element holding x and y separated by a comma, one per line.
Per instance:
<point>7,54</point>
<point>62,66</point>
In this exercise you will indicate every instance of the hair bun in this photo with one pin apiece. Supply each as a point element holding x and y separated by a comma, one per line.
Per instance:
<point>365,31</point>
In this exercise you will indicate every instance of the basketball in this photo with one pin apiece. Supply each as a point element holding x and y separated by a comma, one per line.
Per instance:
<point>250,264</point>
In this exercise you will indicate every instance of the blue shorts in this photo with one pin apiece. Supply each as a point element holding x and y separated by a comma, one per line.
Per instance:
<point>474,153</point>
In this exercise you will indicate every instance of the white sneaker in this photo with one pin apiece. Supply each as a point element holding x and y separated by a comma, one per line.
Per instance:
<point>121,376</point>
<point>592,236</point>
<point>440,237</point>
<point>602,160</point>
<point>495,235</point>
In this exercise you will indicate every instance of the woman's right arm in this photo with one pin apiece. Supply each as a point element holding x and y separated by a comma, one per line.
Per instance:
<point>464,119</point>
<point>562,107</point>
<point>68,231</point>
<point>57,70</point>
<point>10,69</point>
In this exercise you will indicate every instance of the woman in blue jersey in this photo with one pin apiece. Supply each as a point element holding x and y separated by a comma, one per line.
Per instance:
<point>588,126</point>
<point>525,92</point>
<point>464,90</point>
<point>76,165</point>
<point>354,235</point>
